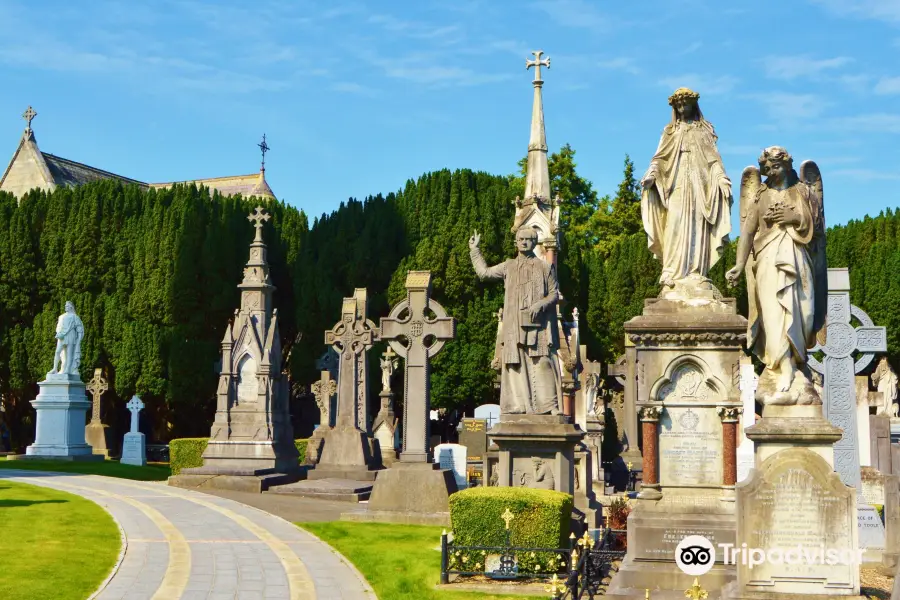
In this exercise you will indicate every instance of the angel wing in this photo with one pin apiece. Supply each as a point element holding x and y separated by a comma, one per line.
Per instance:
<point>812,177</point>
<point>751,182</point>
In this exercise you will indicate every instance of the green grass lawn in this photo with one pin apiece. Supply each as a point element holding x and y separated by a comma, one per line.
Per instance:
<point>55,546</point>
<point>110,468</point>
<point>399,561</point>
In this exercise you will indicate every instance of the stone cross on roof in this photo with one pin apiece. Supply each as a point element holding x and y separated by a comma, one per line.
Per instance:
<point>260,217</point>
<point>537,63</point>
<point>135,405</point>
<point>28,115</point>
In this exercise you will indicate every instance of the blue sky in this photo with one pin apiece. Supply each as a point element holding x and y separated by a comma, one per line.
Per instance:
<point>358,97</point>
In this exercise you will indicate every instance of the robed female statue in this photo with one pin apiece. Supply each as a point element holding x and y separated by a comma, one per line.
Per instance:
<point>686,200</point>
<point>782,252</point>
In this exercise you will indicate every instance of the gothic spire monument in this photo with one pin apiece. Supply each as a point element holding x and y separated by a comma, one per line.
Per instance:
<point>251,444</point>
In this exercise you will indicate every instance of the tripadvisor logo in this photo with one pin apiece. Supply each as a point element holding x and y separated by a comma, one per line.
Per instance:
<point>695,555</point>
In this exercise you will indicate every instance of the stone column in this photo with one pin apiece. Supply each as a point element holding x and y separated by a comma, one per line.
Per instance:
<point>649,416</point>
<point>730,417</point>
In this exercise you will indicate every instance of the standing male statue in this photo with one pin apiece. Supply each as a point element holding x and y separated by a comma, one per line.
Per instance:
<point>529,376</point>
<point>885,380</point>
<point>782,252</point>
<point>69,333</point>
<point>686,199</point>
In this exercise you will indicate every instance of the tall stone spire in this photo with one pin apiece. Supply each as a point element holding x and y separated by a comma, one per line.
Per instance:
<point>537,180</point>
<point>256,288</point>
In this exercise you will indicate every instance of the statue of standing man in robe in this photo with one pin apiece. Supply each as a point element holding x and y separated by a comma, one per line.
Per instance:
<point>530,380</point>
<point>686,201</point>
<point>69,333</point>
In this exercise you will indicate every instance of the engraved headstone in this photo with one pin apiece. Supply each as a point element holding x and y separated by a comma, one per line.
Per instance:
<point>134,447</point>
<point>452,457</point>
<point>473,435</point>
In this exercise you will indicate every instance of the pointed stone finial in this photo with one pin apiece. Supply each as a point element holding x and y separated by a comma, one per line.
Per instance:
<point>29,115</point>
<point>537,63</point>
<point>260,217</point>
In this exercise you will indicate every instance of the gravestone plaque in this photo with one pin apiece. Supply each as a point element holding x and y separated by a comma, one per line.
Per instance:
<point>452,457</point>
<point>690,434</point>
<point>795,502</point>
<point>134,446</point>
<point>473,435</point>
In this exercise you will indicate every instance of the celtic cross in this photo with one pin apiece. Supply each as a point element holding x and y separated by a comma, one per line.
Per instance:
<point>839,369</point>
<point>28,115</point>
<point>350,338</point>
<point>537,63</point>
<point>260,217</point>
<point>323,390</point>
<point>409,320</point>
<point>135,405</point>
<point>96,386</point>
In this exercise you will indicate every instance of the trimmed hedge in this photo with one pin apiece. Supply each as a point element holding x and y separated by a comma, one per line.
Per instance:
<point>185,453</point>
<point>541,519</point>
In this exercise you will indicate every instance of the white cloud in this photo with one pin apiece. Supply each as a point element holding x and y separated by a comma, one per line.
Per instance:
<point>703,84</point>
<point>870,123</point>
<point>785,106</point>
<point>864,174</point>
<point>888,86</point>
<point>740,150</point>
<point>877,10</point>
<point>349,87</point>
<point>622,63</point>
<point>795,67</point>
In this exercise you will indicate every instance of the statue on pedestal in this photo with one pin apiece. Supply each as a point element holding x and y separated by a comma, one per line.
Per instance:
<point>782,252</point>
<point>686,199</point>
<point>529,378</point>
<point>69,333</point>
<point>885,380</point>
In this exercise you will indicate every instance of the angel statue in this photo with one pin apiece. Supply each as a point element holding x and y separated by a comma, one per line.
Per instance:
<point>686,200</point>
<point>782,252</point>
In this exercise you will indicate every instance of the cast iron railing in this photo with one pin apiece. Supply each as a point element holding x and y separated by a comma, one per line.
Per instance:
<point>590,562</point>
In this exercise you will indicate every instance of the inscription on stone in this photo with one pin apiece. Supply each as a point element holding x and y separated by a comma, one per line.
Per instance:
<point>473,435</point>
<point>247,385</point>
<point>690,447</point>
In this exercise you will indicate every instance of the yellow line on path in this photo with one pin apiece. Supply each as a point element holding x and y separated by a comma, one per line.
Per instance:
<point>178,570</point>
<point>301,584</point>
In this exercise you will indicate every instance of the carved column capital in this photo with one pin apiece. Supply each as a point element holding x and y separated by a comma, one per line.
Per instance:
<point>730,414</point>
<point>650,413</point>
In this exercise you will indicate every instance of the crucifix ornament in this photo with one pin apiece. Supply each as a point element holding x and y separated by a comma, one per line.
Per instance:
<point>96,386</point>
<point>28,115</point>
<point>424,336</point>
<point>351,337</point>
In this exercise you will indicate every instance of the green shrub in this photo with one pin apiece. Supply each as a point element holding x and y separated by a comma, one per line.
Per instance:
<point>541,519</point>
<point>185,453</point>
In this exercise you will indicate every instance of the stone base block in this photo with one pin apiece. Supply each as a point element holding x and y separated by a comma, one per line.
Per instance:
<point>352,473</point>
<point>61,405</point>
<point>402,518</point>
<point>60,457</point>
<point>99,437</point>
<point>250,456</point>
<point>247,480</point>
<point>342,490</point>
<point>732,592</point>
<point>413,488</point>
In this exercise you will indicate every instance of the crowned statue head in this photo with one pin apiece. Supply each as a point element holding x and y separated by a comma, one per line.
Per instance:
<point>685,107</point>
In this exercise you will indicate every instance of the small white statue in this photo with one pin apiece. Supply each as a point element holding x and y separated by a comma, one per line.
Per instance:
<point>885,379</point>
<point>69,333</point>
<point>388,364</point>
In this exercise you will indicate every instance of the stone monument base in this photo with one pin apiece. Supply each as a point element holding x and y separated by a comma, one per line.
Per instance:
<point>134,449</point>
<point>538,451</point>
<point>98,436</point>
<point>411,493</point>
<point>341,490</point>
<point>655,527</point>
<point>61,405</point>
<point>794,499</point>
<point>244,466</point>
<point>72,458</point>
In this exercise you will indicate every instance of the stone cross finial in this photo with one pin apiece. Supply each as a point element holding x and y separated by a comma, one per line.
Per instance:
<point>96,386</point>
<point>135,405</point>
<point>264,147</point>
<point>28,115</point>
<point>260,217</point>
<point>537,63</point>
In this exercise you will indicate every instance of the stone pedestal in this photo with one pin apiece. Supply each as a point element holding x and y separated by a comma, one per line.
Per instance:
<point>385,431</point>
<point>61,405</point>
<point>134,450</point>
<point>686,355</point>
<point>793,500</point>
<point>97,436</point>
<point>538,451</point>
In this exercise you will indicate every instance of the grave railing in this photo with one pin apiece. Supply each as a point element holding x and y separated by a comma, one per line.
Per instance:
<point>590,562</point>
<point>590,557</point>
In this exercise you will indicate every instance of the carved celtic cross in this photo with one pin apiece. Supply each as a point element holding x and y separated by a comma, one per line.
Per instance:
<point>424,337</point>
<point>96,386</point>
<point>351,337</point>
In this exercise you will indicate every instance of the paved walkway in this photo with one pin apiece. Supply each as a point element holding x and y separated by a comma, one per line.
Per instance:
<point>181,544</point>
